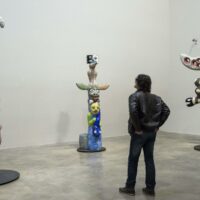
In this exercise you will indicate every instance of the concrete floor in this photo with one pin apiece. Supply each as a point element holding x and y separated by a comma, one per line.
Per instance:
<point>61,173</point>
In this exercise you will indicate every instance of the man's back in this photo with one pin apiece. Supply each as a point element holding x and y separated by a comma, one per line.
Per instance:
<point>147,111</point>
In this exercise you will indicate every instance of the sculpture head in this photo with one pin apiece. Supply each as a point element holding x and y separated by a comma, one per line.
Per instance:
<point>93,94</point>
<point>95,108</point>
<point>92,60</point>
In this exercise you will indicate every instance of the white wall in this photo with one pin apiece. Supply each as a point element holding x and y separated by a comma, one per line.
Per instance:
<point>42,56</point>
<point>185,17</point>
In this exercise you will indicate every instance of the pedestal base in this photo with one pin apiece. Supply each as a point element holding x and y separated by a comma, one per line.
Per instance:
<point>197,147</point>
<point>90,151</point>
<point>7,176</point>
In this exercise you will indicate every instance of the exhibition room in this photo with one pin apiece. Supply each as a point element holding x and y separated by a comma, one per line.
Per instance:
<point>99,100</point>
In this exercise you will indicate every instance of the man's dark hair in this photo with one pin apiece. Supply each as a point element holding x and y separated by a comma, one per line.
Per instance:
<point>144,82</point>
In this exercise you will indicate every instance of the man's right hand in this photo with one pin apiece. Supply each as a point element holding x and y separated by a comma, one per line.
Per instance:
<point>138,132</point>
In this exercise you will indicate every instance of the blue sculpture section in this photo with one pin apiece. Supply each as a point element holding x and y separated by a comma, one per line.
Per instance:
<point>94,128</point>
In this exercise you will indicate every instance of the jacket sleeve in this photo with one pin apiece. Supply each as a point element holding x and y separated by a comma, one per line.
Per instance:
<point>165,111</point>
<point>134,112</point>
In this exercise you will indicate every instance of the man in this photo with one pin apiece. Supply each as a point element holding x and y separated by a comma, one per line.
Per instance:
<point>148,113</point>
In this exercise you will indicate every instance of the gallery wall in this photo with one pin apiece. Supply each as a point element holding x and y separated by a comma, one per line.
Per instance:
<point>42,55</point>
<point>184,22</point>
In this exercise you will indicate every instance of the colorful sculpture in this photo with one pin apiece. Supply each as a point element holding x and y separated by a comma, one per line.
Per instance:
<point>6,176</point>
<point>192,63</point>
<point>92,140</point>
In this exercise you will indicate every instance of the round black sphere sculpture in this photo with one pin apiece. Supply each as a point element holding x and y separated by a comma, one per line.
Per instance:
<point>7,176</point>
<point>197,147</point>
<point>90,151</point>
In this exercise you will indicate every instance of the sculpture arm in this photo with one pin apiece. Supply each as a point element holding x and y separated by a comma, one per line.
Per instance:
<point>191,101</point>
<point>90,119</point>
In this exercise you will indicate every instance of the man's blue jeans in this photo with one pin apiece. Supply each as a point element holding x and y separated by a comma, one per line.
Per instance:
<point>145,141</point>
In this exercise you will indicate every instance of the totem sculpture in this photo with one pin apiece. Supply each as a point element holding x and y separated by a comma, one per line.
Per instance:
<point>6,176</point>
<point>92,140</point>
<point>192,63</point>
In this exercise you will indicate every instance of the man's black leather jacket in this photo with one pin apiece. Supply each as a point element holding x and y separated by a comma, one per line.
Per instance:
<point>147,112</point>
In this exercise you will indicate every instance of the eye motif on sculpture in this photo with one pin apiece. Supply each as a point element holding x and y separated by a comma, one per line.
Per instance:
<point>93,95</point>
<point>190,62</point>
<point>94,92</point>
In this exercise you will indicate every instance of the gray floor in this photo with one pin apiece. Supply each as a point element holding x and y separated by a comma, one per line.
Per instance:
<point>61,173</point>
